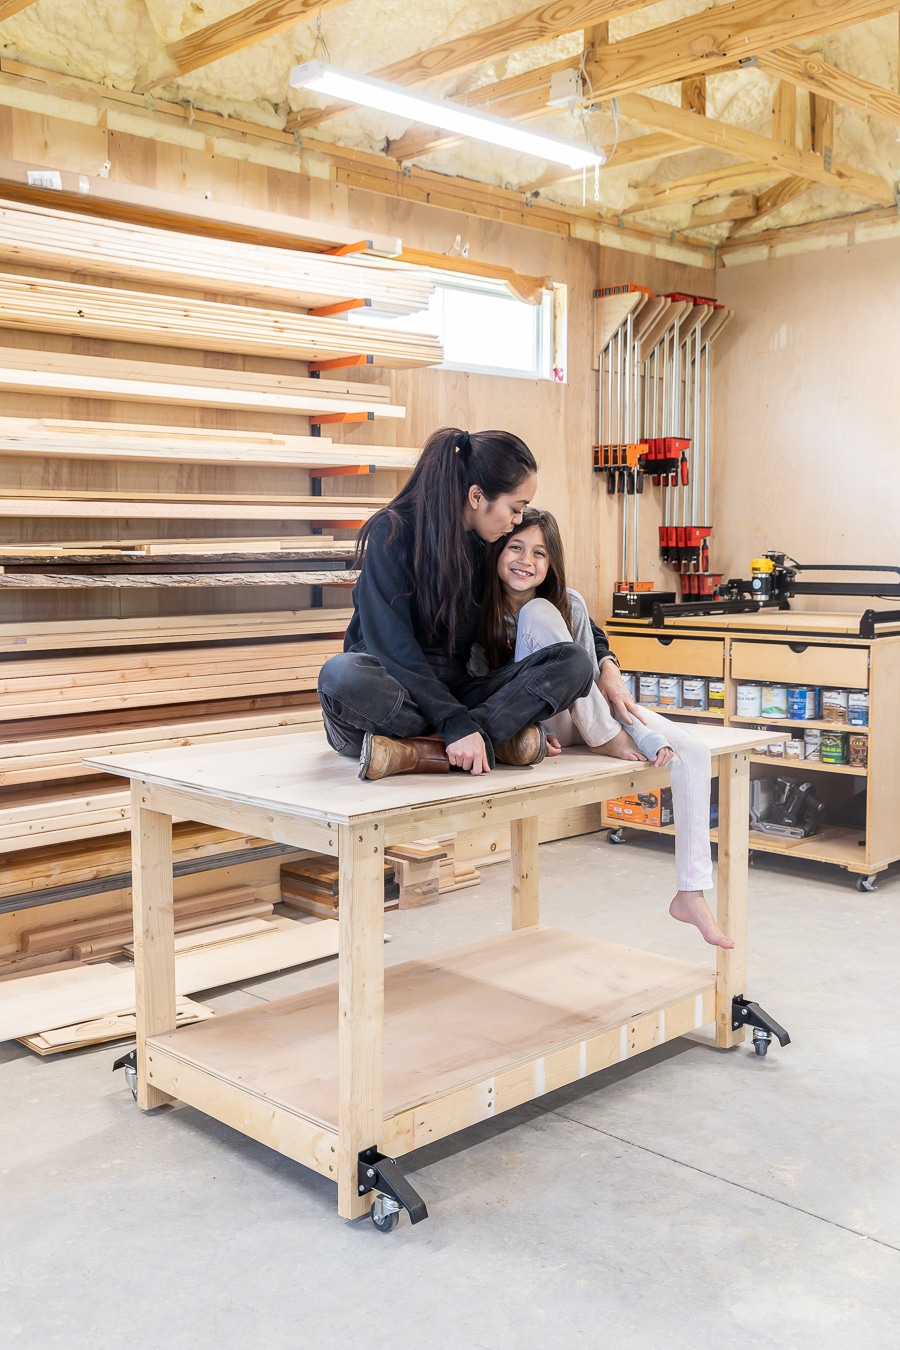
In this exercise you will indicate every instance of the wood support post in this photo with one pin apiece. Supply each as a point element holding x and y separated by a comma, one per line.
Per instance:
<point>154,934</point>
<point>731,907</point>
<point>526,909</point>
<point>784,113</point>
<point>361,1003</point>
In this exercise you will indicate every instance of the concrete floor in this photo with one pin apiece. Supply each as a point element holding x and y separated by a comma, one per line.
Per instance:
<point>687,1196</point>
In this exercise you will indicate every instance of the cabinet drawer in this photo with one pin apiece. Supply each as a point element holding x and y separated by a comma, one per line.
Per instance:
<point>671,656</point>
<point>776,663</point>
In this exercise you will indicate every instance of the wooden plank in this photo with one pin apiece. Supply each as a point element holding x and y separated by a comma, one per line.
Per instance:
<point>10,579</point>
<point>773,199</point>
<point>784,113</point>
<point>47,306</point>
<point>360,1047</point>
<point>702,41</point>
<point>154,382</point>
<point>84,992</point>
<point>693,92</point>
<point>10,7</point>
<point>750,146</point>
<point>731,891</point>
<point>100,1030</point>
<point>154,935</point>
<point>742,207</point>
<point>476,48</point>
<point>696,186</point>
<point>334,509</point>
<point>524,865</point>
<point>63,239</point>
<point>157,629</point>
<point>807,70</point>
<point>233,33</point>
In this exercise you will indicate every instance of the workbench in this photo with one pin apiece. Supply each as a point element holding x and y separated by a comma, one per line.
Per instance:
<point>391,1060</point>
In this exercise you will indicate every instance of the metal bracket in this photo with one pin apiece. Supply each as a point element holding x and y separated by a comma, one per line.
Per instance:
<point>375,1172</point>
<point>745,1013</point>
<point>128,1062</point>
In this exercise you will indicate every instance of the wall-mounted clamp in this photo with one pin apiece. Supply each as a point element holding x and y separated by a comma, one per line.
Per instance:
<point>745,1013</point>
<point>393,1192</point>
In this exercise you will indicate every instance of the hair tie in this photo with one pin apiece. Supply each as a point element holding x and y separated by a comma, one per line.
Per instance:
<point>464,444</point>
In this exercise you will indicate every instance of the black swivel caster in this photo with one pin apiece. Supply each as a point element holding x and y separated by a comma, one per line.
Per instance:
<point>761,1040</point>
<point>866,883</point>
<point>616,836</point>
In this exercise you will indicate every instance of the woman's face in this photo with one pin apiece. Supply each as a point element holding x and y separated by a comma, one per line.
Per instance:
<point>491,520</point>
<point>524,562</point>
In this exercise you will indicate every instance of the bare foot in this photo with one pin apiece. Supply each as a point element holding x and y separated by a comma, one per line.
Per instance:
<point>620,747</point>
<point>691,907</point>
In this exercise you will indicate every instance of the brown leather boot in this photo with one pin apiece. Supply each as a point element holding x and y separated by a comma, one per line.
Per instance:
<point>381,756</point>
<point>527,747</point>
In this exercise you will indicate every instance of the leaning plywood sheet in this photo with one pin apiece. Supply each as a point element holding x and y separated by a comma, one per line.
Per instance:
<point>81,994</point>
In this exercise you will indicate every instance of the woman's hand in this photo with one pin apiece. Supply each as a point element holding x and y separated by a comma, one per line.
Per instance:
<point>553,745</point>
<point>612,687</point>
<point>470,753</point>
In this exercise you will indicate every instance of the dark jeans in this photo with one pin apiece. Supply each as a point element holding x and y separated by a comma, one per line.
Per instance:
<point>358,695</point>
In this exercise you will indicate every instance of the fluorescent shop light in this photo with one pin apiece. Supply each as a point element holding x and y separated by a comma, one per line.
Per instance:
<point>350,87</point>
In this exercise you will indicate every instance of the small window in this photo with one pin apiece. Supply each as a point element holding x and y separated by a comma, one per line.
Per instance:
<point>482,327</point>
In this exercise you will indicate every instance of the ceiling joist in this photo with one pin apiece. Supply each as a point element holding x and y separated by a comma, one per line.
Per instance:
<point>700,43</point>
<point>812,73</point>
<point>696,187</point>
<point>474,49</point>
<point>10,7</point>
<point>788,190</point>
<point>747,145</point>
<point>737,208</point>
<point>248,26</point>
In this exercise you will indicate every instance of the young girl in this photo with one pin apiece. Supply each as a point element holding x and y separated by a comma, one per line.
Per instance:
<point>526,608</point>
<point>400,696</point>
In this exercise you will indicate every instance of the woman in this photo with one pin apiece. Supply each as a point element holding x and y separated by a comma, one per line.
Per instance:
<point>400,696</point>
<point>528,608</point>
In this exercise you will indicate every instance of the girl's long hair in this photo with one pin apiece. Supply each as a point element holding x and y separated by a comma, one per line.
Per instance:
<point>433,503</point>
<point>492,632</point>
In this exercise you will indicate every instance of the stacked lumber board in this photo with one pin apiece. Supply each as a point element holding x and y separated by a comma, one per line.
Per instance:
<point>190,386</point>
<point>11,579</point>
<point>75,504</point>
<point>63,240</point>
<point>191,445</point>
<point>46,306</point>
<point>72,635</point>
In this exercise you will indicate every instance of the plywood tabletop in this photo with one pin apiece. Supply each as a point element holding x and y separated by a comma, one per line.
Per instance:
<point>300,774</point>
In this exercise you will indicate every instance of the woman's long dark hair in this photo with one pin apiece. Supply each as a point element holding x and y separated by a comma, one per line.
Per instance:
<point>492,633</point>
<point>433,502</point>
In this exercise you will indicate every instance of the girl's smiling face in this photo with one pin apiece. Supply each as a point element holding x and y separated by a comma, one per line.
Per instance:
<point>523,564</point>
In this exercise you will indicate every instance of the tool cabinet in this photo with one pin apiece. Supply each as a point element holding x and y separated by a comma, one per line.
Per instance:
<point>795,648</point>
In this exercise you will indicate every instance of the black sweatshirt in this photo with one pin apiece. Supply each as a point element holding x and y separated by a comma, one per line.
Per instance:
<point>386,624</point>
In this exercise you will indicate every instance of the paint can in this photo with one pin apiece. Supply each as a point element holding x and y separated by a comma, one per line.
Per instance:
<point>629,679</point>
<point>858,708</point>
<point>774,700</point>
<point>834,747</point>
<point>858,751</point>
<point>717,696</point>
<point>793,749</point>
<point>812,744</point>
<point>693,694</point>
<point>670,691</point>
<point>649,689</point>
<point>749,700</point>
<point>803,703</point>
<point>835,706</point>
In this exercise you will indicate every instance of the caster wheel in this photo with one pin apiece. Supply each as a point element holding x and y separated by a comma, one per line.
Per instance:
<point>751,858</point>
<point>616,837</point>
<point>866,884</point>
<point>761,1047</point>
<point>384,1222</point>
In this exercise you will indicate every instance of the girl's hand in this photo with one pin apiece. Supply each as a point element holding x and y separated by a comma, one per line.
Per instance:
<point>553,746</point>
<point>612,687</point>
<point>470,753</point>
<point>664,757</point>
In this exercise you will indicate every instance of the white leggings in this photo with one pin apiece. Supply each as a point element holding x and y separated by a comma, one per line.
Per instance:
<point>592,722</point>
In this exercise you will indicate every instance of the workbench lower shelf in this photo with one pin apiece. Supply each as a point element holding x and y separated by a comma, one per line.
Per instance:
<point>833,844</point>
<point>468,1033</point>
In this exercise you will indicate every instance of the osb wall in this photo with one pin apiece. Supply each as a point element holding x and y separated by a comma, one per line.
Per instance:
<point>807,412</point>
<point>558,421</point>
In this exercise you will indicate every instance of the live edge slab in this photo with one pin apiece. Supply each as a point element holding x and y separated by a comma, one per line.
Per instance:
<point>396,1059</point>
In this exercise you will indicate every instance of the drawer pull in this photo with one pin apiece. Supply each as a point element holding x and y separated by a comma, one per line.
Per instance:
<point>665,642</point>
<point>798,647</point>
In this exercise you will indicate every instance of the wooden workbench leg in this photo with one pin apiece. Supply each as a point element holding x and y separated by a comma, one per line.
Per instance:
<point>526,905</point>
<point>731,909</point>
<point>154,934</point>
<point>361,998</point>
